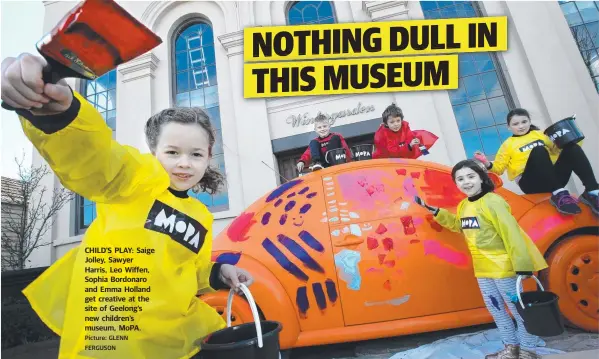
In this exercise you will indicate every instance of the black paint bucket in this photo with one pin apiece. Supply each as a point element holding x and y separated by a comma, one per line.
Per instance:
<point>336,156</point>
<point>540,311</point>
<point>564,132</point>
<point>258,340</point>
<point>362,152</point>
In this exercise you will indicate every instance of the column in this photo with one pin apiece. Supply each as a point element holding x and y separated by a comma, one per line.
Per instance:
<point>254,149</point>
<point>134,99</point>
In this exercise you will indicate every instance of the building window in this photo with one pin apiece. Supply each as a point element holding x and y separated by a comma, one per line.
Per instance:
<point>195,84</point>
<point>310,12</point>
<point>101,93</point>
<point>482,101</point>
<point>583,19</point>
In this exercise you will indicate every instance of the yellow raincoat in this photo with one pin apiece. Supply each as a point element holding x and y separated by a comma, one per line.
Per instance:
<point>129,290</point>
<point>514,152</point>
<point>498,245</point>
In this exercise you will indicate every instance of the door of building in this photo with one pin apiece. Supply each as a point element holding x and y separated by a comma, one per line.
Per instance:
<point>287,161</point>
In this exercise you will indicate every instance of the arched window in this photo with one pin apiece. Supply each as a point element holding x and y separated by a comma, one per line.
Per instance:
<point>310,12</point>
<point>482,100</point>
<point>101,93</point>
<point>195,84</point>
<point>583,19</point>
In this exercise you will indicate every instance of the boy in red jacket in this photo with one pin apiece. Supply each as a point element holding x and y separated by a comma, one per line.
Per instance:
<point>319,146</point>
<point>394,138</point>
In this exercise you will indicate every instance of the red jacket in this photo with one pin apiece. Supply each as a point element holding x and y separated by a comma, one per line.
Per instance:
<point>389,144</point>
<point>323,148</point>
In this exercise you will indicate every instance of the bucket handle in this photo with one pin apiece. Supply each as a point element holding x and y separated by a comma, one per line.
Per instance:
<point>250,300</point>
<point>519,286</point>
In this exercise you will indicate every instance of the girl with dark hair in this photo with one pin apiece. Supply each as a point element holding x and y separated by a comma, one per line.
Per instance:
<point>500,251</point>
<point>538,166</point>
<point>149,237</point>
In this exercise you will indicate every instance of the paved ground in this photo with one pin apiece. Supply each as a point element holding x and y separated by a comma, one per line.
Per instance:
<point>571,341</point>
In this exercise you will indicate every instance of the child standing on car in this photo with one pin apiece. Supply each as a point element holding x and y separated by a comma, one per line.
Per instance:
<point>324,142</point>
<point>145,218</point>
<point>500,251</point>
<point>538,166</point>
<point>394,138</point>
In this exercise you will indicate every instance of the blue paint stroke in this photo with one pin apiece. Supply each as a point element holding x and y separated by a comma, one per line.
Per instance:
<point>300,253</point>
<point>331,290</point>
<point>319,295</point>
<point>228,258</point>
<point>304,190</point>
<point>301,299</point>
<point>347,262</point>
<point>266,218</point>
<point>494,301</point>
<point>291,195</point>
<point>311,241</point>
<point>310,195</point>
<point>305,208</point>
<point>289,206</point>
<point>283,261</point>
<point>282,189</point>
<point>278,202</point>
<point>283,219</point>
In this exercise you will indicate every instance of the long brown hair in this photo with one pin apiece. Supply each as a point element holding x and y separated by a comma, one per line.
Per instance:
<point>213,179</point>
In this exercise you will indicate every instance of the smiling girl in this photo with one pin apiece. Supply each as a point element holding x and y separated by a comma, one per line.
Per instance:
<point>500,251</point>
<point>538,166</point>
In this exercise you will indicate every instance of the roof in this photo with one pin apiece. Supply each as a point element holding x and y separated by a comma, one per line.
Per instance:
<point>11,190</point>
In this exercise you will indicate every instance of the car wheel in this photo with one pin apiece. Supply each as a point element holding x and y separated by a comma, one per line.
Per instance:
<point>573,275</point>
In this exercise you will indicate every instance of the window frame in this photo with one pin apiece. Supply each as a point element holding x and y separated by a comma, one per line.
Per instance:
<point>503,81</point>
<point>219,208</point>
<point>290,4</point>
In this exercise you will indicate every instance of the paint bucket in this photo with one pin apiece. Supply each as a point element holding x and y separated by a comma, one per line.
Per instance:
<point>258,340</point>
<point>564,132</point>
<point>362,152</point>
<point>539,310</point>
<point>336,156</point>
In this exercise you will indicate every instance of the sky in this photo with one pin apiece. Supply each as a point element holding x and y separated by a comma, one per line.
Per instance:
<point>21,27</point>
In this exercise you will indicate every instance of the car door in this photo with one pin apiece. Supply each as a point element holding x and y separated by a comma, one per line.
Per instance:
<point>393,261</point>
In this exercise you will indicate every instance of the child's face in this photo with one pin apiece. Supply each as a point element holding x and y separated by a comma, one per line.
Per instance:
<point>183,151</point>
<point>322,128</point>
<point>519,125</point>
<point>468,181</point>
<point>394,123</point>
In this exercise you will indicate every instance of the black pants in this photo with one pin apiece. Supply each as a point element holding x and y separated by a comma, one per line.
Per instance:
<point>541,175</point>
<point>334,143</point>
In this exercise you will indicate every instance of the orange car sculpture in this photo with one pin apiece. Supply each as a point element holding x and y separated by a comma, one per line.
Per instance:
<point>343,254</point>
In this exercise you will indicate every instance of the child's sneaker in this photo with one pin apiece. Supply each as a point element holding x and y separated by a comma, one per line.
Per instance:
<point>510,352</point>
<point>590,200</point>
<point>565,203</point>
<point>316,166</point>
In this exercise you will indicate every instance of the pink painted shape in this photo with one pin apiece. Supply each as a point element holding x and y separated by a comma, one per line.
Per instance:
<point>408,186</point>
<point>542,227</point>
<point>417,221</point>
<point>445,253</point>
<point>364,189</point>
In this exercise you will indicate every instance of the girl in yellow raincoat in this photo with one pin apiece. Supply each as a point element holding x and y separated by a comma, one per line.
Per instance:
<point>500,251</point>
<point>129,290</point>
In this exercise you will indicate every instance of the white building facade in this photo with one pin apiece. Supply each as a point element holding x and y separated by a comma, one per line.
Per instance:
<point>200,63</point>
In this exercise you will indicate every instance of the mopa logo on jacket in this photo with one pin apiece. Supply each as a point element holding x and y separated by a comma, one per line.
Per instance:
<point>177,225</point>
<point>362,153</point>
<point>470,223</point>
<point>532,145</point>
<point>340,156</point>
